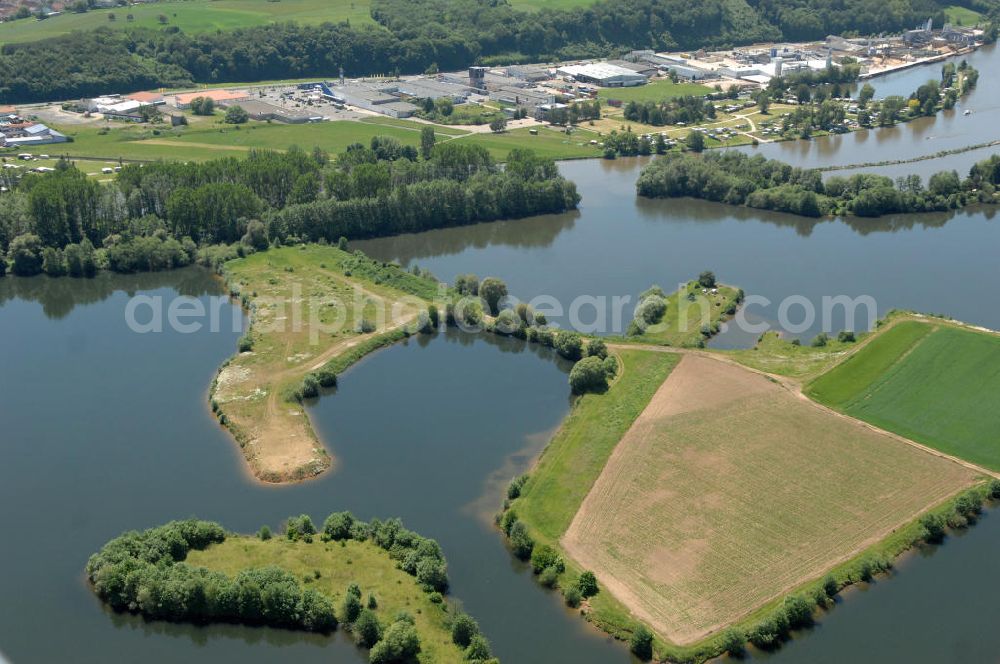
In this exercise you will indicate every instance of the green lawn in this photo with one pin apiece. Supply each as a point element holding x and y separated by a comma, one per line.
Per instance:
<point>546,143</point>
<point>935,385</point>
<point>192,16</point>
<point>363,563</point>
<point>962,16</point>
<point>654,91</point>
<point>578,452</point>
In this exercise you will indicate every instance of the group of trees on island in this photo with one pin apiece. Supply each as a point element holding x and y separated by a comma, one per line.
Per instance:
<point>738,179</point>
<point>144,572</point>
<point>156,216</point>
<point>413,36</point>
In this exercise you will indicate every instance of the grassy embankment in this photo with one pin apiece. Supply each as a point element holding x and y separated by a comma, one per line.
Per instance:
<point>306,305</point>
<point>963,16</point>
<point>925,380</point>
<point>337,566</point>
<point>192,17</point>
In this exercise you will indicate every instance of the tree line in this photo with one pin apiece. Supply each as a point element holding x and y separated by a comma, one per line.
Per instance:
<point>413,36</point>
<point>168,214</point>
<point>738,179</point>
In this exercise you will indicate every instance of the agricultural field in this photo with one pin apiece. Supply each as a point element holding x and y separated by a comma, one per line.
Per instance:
<point>925,381</point>
<point>192,16</point>
<point>329,568</point>
<point>657,90</point>
<point>729,491</point>
<point>314,310</point>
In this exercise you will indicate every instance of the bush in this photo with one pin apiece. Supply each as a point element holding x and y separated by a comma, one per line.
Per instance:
<point>993,490</point>
<point>572,596</point>
<point>610,366</point>
<point>799,611</point>
<point>492,290</point>
<point>641,643</point>
<point>26,255</point>
<point>520,541</point>
<point>543,556</point>
<point>507,322</point>
<point>246,343</point>
<point>934,527</point>
<point>338,526</point>
<point>400,643</point>
<point>549,576</point>
<point>350,608</point>
<point>300,527</point>
<point>367,630</point>
<point>568,344</point>
<point>830,586</point>
<point>587,583</point>
<point>589,375</point>
<point>820,340</point>
<point>264,533</point>
<point>733,641</point>
<point>846,336</point>
<point>478,650</point>
<point>236,115</point>
<point>597,348</point>
<point>463,629</point>
<point>515,487</point>
<point>707,279</point>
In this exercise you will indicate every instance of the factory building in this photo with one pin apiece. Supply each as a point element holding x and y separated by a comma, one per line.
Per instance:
<point>603,74</point>
<point>379,100</point>
<point>220,97</point>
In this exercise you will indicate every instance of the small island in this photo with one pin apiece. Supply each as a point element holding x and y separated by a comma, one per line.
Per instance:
<point>383,583</point>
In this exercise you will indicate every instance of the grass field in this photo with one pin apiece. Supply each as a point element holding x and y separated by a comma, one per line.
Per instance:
<point>201,141</point>
<point>338,566</point>
<point>774,354</point>
<point>928,382</point>
<point>306,306</point>
<point>963,16</point>
<point>192,16</point>
<point>654,91</point>
<point>729,491</point>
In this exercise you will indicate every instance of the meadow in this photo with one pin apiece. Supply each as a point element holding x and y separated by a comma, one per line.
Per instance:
<point>656,90</point>
<point>690,312</point>
<point>963,16</point>
<point>729,491</point>
<point>202,140</point>
<point>314,310</point>
<point>192,16</point>
<point>329,567</point>
<point>927,382</point>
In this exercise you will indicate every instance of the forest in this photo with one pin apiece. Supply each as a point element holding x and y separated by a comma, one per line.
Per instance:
<point>412,36</point>
<point>768,184</point>
<point>168,214</point>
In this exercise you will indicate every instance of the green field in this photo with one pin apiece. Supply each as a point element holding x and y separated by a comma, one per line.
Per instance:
<point>930,383</point>
<point>201,141</point>
<point>963,16</point>
<point>363,563</point>
<point>774,354</point>
<point>689,311</point>
<point>655,91</point>
<point>192,16</point>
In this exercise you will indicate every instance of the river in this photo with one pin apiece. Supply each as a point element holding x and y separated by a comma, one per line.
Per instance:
<point>104,430</point>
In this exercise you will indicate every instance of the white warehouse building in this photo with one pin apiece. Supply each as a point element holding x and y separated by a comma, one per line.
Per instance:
<point>604,74</point>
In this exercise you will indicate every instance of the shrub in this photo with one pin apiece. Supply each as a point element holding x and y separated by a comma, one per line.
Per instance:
<point>300,527</point>
<point>365,326</point>
<point>478,650</point>
<point>799,611</point>
<point>400,643</point>
<point>969,504</point>
<point>610,366</point>
<point>733,641</point>
<point>373,603</point>
<point>706,279</point>
<point>934,527</point>
<point>597,348</point>
<point>507,522</point>
<point>549,576</point>
<point>492,290</point>
<point>26,255</point>
<point>350,608</point>
<point>367,630</point>
<point>507,322</point>
<point>309,388</point>
<point>572,596</point>
<point>246,343</point>
<point>433,315</point>
<point>264,533</point>
<point>587,583</point>
<point>568,344</point>
<point>820,340</point>
<point>830,585</point>
<point>520,541</point>
<point>641,643</point>
<point>463,629</point>
<point>846,336</point>
<point>993,490</point>
<point>515,487</point>
<point>543,556</point>
<point>338,526</point>
<point>588,375</point>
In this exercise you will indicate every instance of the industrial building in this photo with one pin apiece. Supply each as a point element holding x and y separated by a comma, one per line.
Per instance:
<point>220,97</point>
<point>384,99</point>
<point>603,74</point>
<point>24,135</point>
<point>427,88</point>
<point>521,96</point>
<point>262,111</point>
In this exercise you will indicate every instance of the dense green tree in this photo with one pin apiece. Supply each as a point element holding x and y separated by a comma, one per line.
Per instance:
<point>427,140</point>
<point>26,255</point>
<point>236,115</point>
<point>641,643</point>
<point>366,629</point>
<point>587,583</point>
<point>588,375</point>
<point>492,290</point>
<point>463,629</point>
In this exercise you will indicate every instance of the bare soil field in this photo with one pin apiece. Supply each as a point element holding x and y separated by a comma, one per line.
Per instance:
<point>731,490</point>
